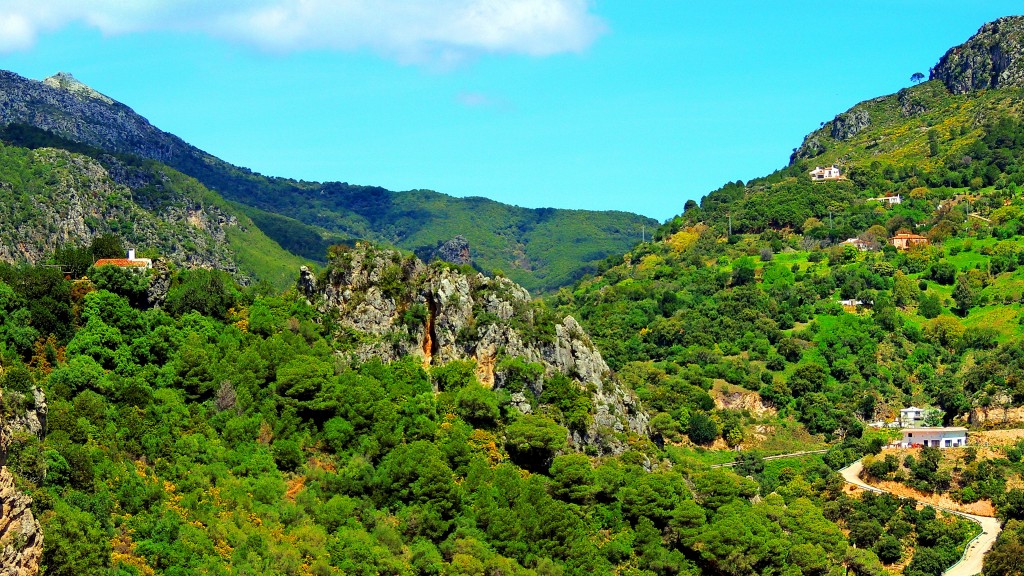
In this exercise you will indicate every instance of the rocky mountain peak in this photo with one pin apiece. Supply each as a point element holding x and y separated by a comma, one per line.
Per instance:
<point>65,81</point>
<point>992,58</point>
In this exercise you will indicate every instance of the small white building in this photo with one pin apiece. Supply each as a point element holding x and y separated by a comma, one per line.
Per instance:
<point>938,437</point>
<point>131,262</point>
<point>827,173</point>
<point>912,416</point>
<point>890,199</point>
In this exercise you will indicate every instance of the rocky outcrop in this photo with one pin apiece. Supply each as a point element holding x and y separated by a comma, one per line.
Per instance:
<point>455,251</point>
<point>65,81</point>
<point>159,284</point>
<point>849,124</point>
<point>992,58</point>
<point>21,537</point>
<point>810,148</point>
<point>910,103</point>
<point>439,314</point>
<point>996,415</point>
<point>29,417</point>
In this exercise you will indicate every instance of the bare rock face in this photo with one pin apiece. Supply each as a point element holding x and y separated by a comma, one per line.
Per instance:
<point>849,124</point>
<point>21,537</point>
<point>159,284</point>
<point>1003,414</point>
<point>440,315</point>
<point>455,251</point>
<point>910,103</point>
<point>992,58</point>
<point>31,420</point>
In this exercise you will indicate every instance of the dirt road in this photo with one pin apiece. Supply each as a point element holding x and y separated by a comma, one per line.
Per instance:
<point>970,564</point>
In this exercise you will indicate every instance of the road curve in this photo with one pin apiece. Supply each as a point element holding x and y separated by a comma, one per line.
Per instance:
<point>970,563</point>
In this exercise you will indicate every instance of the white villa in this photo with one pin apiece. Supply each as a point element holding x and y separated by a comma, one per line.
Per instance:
<point>912,416</point>
<point>827,173</point>
<point>890,200</point>
<point>937,437</point>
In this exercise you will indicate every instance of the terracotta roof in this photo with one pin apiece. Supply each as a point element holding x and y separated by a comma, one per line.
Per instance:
<point>937,429</point>
<point>123,262</point>
<point>910,236</point>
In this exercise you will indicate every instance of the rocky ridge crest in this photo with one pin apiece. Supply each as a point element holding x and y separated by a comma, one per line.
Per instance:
<point>992,58</point>
<point>440,314</point>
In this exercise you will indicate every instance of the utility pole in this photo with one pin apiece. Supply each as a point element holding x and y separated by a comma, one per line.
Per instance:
<point>643,233</point>
<point>730,224</point>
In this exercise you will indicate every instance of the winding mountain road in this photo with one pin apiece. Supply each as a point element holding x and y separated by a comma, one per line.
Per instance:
<point>970,563</point>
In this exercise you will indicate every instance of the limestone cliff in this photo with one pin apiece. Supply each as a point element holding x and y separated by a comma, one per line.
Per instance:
<point>992,58</point>
<point>21,537</point>
<point>440,314</point>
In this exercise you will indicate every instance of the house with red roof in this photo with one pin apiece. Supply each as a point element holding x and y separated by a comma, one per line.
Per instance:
<point>130,262</point>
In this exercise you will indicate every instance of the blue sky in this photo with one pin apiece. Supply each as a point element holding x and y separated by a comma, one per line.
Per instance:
<point>624,105</point>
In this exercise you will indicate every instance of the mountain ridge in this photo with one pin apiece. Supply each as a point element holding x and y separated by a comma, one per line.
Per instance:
<point>519,241</point>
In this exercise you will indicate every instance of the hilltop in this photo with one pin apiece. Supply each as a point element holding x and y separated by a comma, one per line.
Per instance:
<point>540,248</point>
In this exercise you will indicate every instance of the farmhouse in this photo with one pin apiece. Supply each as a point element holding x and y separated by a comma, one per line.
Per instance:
<point>827,173</point>
<point>937,437</point>
<point>130,262</point>
<point>904,241</point>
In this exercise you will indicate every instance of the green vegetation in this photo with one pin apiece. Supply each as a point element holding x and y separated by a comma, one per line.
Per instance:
<point>242,430</point>
<point>52,186</point>
<point>223,434</point>
<point>542,249</point>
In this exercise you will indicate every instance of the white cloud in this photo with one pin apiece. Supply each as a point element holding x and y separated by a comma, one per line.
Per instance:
<point>434,31</point>
<point>473,99</point>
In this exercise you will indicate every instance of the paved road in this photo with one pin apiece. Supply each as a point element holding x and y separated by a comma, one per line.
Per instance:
<point>970,564</point>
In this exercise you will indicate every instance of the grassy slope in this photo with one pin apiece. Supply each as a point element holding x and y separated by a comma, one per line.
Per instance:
<point>893,137</point>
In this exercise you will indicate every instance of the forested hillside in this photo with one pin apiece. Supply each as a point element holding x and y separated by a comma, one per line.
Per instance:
<point>383,415</point>
<point>222,434</point>
<point>542,249</point>
<point>55,194</point>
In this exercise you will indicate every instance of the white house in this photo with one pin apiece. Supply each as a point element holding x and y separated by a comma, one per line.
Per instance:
<point>937,437</point>
<point>912,416</point>
<point>827,173</point>
<point>890,199</point>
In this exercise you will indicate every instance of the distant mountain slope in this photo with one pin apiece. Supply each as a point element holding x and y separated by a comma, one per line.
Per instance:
<point>51,197</point>
<point>933,144</point>
<point>539,248</point>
